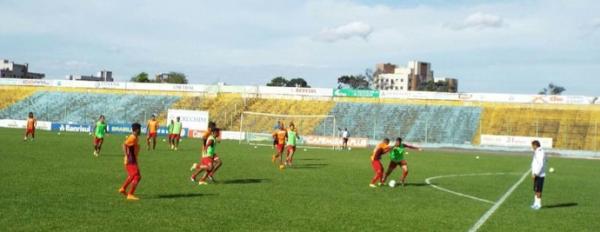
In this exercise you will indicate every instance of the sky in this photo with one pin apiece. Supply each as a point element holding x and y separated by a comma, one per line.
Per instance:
<point>490,46</point>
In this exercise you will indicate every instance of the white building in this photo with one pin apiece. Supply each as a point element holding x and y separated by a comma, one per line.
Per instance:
<point>392,77</point>
<point>103,75</point>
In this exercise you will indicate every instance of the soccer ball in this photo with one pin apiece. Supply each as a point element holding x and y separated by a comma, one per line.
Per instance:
<point>551,170</point>
<point>392,183</point>
<point>476,157</point>
<point>305,149</point>
<point>281,167</point>
<point>58,133</point>
<point>255,147</point>
<point>349,149</point>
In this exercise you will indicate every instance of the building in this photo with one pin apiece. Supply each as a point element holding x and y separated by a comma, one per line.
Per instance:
<point>451,83</point>
<point>9,69</point>
<point>103,75</point>
<point>413,77</point>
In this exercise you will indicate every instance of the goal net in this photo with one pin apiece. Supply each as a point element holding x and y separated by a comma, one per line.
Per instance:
<point>258,128</point>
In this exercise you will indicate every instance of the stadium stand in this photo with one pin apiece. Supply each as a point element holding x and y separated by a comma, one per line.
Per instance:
<point>10,95</point>
<point>263,124</point>
<point>416,123</point>
<point>73,107</point>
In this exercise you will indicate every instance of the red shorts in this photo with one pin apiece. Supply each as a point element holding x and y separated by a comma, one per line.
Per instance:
<point>152,135</point>
<point>393,164</point>
<point>279,147</point>
<point>175,136</point>
<point>98,141</point>
<point>377,167</point>
<point>206,161</point>
<point>30,131</point>
<point>291,149</point>
<point>132,169</point>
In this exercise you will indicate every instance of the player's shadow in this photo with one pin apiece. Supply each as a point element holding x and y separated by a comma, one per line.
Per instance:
<point>309,159</point>
<point>561,205</point>
<point>416,184</point>
<point>183,195</point>
<point>308,166</point>
<point>245,181</point>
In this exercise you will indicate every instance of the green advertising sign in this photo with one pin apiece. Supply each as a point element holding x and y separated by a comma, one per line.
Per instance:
<point>355,93</point>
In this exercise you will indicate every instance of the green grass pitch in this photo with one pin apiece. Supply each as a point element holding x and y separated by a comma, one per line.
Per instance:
<point>54,183</point>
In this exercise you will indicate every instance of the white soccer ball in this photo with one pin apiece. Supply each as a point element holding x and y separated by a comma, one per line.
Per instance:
<point>476,157</point>
<point>551,170</point>
<point>392,183</point>
<point>164,140</point>
<point>349,149</point>
<point>255,147</point>
<point>58,133</point>
<point>90,133</point>
<point>305,149</point>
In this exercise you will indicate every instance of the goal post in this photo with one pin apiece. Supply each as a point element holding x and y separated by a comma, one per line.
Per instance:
<point>257,128</point>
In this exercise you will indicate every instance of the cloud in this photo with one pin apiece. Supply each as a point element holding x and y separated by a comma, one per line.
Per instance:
<point>478,21</point>
<point>347,31</point>
<point>596,23</point>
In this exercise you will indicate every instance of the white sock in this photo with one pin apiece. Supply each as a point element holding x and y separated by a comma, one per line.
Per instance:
<point>538,201</point>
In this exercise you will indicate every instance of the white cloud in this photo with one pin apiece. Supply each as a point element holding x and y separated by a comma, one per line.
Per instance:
<point>346,31</point>
<point>478,21</point>
<point>596,23</point>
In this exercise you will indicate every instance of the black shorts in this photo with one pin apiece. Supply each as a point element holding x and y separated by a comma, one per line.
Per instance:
<point>345,140</point>
<point>538,184</point>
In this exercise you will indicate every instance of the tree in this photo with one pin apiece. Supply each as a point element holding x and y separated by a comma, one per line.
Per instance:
<point>552,89</point>
<point>278,81</point>
<point>141,77</point>
<point>298,82</point>
<point>283,82</point>
<point>354,82</point>
<point>176,78</point>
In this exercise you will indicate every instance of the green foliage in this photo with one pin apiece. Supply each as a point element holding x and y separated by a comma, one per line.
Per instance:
<point>552,89</point>
<point>433,86</point>
<point>141,77</point>
<point>283,82</point>
<point>55,184</point>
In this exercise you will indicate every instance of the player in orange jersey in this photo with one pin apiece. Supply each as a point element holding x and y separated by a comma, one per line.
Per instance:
<point>131,148</point>
<point>30,127</point>
<point>152,129</point>
<point>381,149</point>
<point>280,136</point>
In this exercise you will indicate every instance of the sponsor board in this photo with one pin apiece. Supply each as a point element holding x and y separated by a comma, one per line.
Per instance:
<point>229,135</point>
<point>514,141</point>
<point>191,119</point>
<point>268,90</point>
<point>334,141</point>
<point>418,95</point>
<point>117,128</point>
<point>11,123</point>
<point>355,93</point>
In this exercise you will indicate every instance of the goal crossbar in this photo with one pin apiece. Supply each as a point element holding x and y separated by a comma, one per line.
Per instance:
<point>288,115</point>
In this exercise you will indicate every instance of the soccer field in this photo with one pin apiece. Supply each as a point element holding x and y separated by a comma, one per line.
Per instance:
<point>55,183</point>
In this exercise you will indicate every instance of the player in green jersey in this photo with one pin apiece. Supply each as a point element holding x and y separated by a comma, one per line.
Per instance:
<point>177,127</point>
<point>170,134</point>
<point>100,130</point>
<point>207,160</point>
<point>397,158</point>
<point>292,139</point>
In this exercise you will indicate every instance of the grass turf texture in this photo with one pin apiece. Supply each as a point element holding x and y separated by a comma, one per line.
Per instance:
<point>54,183</point>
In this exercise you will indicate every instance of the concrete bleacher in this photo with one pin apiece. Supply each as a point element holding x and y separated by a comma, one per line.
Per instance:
<point>265,124</point>
<point>11,95</point>
<point>415,123</point>
<point>84,108</point>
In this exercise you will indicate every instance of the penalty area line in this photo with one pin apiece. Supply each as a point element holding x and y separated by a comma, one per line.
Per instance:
<point>495,207</point>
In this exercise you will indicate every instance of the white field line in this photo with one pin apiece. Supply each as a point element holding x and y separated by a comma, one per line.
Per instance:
<point>270,145</point>
<point>428,181</point>
<point>495,207</point>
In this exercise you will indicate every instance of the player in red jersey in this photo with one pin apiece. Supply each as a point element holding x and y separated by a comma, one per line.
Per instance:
<point>30,127</point>
<point>206,163</point>
<point>381,149</point>
<point>279,135</point>
<point>131,148</point>
<point>152,129</point>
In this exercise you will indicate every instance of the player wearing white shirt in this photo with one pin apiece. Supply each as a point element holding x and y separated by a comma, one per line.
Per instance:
<point>538,173</point>
<point>345,136</point>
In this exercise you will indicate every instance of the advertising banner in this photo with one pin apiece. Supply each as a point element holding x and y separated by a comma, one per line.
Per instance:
<point>333,141</point>
<point>355,93</point>
<point>191,119</point>
<point>514,141</point>
<point>10,123</point>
